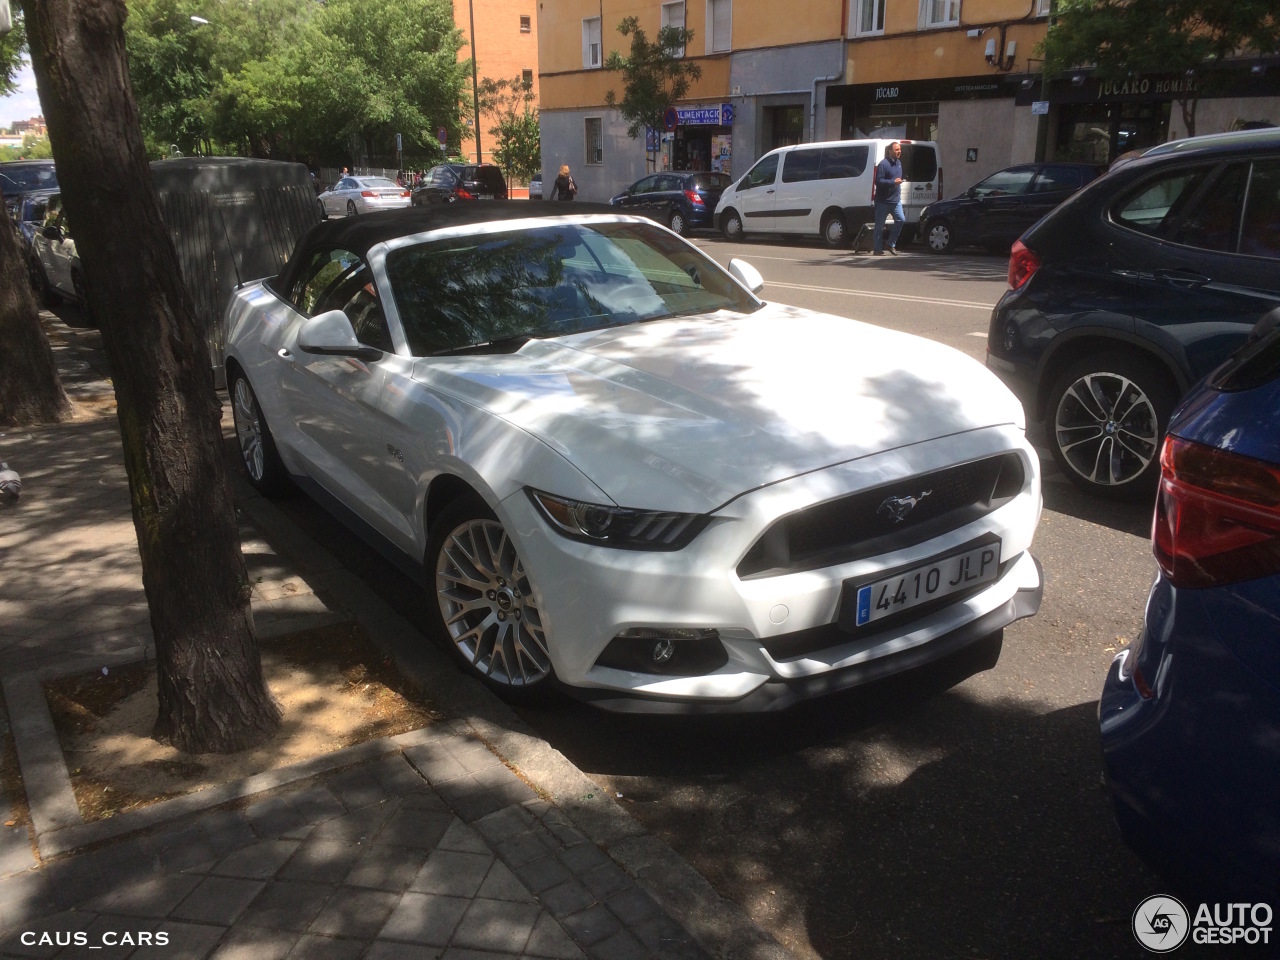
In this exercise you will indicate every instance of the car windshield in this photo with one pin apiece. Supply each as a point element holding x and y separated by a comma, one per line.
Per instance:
<point>507,287</point>
<point>15,178</point>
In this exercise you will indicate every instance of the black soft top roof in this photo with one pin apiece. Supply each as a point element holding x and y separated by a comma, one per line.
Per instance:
<point>360,233</point>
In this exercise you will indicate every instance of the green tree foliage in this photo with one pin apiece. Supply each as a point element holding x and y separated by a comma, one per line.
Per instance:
<point>295,79</point>
<point>655,76</point>
<point>519,144</point>
<point>1124,38</point>
<point>12,46</point>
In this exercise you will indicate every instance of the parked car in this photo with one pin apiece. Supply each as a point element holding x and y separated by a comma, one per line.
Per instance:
<point>535,187</point>
<point>1190,712</point>
<point>681,201</point>
<point>354,195</point>
<point>450,182</point>
<point>1131,291</point>
<point>620,470</point>
<point>28,216</point>
<point>54,264</point>
<point>21,176</point>
<point>995,211</point>
<point>826,189</point>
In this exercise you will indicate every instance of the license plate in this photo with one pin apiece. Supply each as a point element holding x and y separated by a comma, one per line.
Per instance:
<point>486,196</point>
<point>902,591</point>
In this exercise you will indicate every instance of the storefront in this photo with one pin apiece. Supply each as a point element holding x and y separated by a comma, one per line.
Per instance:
<point>909,109</point>
<point>702,139</point>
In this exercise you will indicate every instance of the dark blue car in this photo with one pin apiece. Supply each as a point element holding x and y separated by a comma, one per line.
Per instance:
<point>681,201</point>
<point>1190,713</point>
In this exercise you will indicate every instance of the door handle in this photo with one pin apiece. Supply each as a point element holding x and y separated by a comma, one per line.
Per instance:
<point>1182,278</point>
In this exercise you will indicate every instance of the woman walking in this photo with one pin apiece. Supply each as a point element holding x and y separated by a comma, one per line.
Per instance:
<point>564,188</point>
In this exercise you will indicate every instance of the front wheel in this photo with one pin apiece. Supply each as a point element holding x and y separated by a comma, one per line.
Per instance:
<point>731,225</point>
<point>488,610</point>
<point>834,233</point>
<point>257,447</point>
<point>1106,419</point>
<point>676,222</point>
<point>938,237</point>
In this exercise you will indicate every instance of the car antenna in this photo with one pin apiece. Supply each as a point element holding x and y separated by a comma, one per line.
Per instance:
<point>230,249</point>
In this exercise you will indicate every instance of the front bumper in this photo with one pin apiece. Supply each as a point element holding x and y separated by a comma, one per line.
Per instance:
<point>588,595</point>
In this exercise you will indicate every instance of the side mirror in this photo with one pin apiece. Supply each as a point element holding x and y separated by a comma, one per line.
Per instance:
<point>746,274</point>
<point>52,232</point>
<point>331,334</point>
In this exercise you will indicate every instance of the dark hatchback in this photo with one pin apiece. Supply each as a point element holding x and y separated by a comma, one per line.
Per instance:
<point>1190,712</point>
<point>1131,291</point>
<point>451,182</point>
<point>996,211</point>
<point>22,176</point>
<point>681,201</point>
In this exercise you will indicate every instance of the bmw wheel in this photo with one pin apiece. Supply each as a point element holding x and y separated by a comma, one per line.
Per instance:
<point>937,234</point>
<point>351,208</point>
<point>834,233</point>
<point>488,608</point>
<point>731,225</point>
<point>676,222</point>
<point>257,447</point>
<point>1106,419</point>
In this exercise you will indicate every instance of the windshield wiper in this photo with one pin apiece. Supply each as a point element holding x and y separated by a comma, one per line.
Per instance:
<point>498,345</point>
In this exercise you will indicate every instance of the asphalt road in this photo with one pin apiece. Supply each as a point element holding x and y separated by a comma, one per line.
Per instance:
<point>956,812</point>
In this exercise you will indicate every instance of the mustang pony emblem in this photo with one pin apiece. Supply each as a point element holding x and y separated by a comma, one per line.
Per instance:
<point>897,508</point>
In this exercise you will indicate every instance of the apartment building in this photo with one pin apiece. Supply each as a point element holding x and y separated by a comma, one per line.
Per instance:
<point>961,72</point>
<point>505,48</point>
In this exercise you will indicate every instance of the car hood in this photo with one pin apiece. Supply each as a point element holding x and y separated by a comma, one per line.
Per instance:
<point>688,413</point>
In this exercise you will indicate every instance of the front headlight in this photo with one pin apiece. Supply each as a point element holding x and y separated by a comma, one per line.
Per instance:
<point>621,527</point>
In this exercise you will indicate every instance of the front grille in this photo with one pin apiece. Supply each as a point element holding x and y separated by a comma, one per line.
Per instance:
<point>861,525</point>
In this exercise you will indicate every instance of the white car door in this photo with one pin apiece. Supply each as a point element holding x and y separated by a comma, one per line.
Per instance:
<point>756,194</point>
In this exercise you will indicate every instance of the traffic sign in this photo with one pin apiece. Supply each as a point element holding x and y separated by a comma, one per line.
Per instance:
<point>443,135</point>
<point>726,114</point>
<point>671,118</point>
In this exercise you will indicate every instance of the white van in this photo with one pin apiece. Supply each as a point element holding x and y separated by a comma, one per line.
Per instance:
<point>826,189</point>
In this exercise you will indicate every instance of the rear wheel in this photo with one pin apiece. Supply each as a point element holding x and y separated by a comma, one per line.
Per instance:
<point>731,225</point>
<point>351,208</point>
<point>834,233</point>
<point>1106,418</point>
<point>257,447</point>
<point>487,607</point>
<point>938,236</point>
<point>676,222</point>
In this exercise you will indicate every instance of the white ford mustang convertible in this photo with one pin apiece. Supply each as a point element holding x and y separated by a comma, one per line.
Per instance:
<point>621,472</point>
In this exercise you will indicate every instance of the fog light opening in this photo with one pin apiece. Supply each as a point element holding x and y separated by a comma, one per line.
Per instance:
<point>667,651</point>
<point>664,650</point>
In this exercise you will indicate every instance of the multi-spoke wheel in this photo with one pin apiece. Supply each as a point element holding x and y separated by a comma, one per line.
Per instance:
<point>488,608</point>
<point>676,222</point>
<point>731,225</point>
<point>351,208</point>
<point>257,447</point>
<point>1106,419</point>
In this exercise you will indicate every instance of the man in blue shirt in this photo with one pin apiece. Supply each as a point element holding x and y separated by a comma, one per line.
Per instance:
<point>888,199</point>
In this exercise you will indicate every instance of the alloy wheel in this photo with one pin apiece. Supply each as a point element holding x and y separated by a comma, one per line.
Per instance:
<point>248,421</point>
<point>488,606</point>
<point>677,222</point>
<point>351,208</point>
<point>1106,428</point>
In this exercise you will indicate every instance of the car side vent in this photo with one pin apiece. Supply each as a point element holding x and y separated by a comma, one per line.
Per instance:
<point>890,516</point>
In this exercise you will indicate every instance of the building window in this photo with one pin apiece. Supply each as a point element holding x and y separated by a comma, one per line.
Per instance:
<point>868,18</point>
<point>673,16</point>
<point>720,20</point>
<point>1043,8</point>
<point>939,13</point>
<point>526,24</point>
<point>591,56</point>
<point>595,141</point>
<point>526,77</point>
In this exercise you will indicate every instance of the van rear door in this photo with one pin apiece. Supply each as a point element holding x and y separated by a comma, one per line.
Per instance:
<point>921,177</point>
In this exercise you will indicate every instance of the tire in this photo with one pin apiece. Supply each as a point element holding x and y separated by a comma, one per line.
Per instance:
<point>676,222</point>
<point>351,208</point>
<point>1105,419</point>
<point>258,451</point>
<point>938,236</point>
<point>82,298</point>
<point>324,214</point>
<point>834,232</point>
<point>486,608</point>
<point>731,225</point>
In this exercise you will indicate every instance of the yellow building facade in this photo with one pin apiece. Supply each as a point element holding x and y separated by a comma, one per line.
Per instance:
<point>505,48</point>
<point>963,73</point>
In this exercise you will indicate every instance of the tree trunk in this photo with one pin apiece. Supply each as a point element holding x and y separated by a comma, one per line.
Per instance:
<point>212,694</point>
<point>30,391</point>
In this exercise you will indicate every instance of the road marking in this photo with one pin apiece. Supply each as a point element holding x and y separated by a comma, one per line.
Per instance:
<point>972,305</point>
<point>977,333</point>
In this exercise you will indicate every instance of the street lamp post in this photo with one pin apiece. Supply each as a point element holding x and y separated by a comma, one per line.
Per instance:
<point>475,83</point>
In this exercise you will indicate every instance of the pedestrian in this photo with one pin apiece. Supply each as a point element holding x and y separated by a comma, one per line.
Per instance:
<point>345,173</point>
<point>564,188</point>
<point>888,200</point>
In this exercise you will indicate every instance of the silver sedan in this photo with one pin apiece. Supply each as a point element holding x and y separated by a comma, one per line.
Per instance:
<point>353,195</point>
